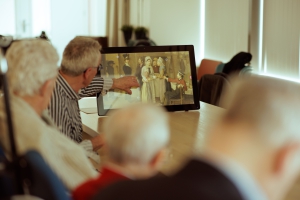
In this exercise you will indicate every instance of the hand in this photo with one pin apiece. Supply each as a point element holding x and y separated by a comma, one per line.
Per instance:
<point>125,83</point>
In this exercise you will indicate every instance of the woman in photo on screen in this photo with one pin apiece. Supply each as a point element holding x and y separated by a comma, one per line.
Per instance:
<point>148,92</point>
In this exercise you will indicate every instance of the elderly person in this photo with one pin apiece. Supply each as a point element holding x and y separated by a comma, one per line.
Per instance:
<point>134,147</point>
<point>32,74</point>
<point>253,151</point>
<point>76,79</point>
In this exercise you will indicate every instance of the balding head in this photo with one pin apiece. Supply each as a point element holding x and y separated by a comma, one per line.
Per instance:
<point>270,106</point>
<point>136,133</point>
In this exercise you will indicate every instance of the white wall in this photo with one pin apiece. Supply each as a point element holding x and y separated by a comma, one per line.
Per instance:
<point>68,19</point>
<point>7,17</point>
<point>175,22</point>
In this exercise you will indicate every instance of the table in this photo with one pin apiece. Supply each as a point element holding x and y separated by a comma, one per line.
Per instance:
<point>188,132</point>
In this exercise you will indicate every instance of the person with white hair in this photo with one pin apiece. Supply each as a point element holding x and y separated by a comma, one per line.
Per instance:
<point>76,79</point>
<point>148,90</point>
<point>134,148</point>
<point>253,151</point>
<point>32,73</point>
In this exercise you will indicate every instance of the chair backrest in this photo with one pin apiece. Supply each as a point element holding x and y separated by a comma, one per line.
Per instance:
<point>211,86</point>
<point>207,66</point>
<point>43,182</point>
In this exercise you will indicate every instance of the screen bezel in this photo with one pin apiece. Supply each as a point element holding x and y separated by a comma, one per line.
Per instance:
<point>150,49</point>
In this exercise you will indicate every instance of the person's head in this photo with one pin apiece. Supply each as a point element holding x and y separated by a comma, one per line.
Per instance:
<point>148,61</point>
<point>260,130</point>
<point>160,61</point>
<point>137,135</point>
<point>141,61</point>
<point>180,75</point>
<point>32,69</point>
<point>110,63</point>
<point>81,58</point>
<point>154,63</point>
<point>127,60</point>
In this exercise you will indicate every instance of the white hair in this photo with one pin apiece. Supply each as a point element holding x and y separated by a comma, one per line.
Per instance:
<point>30,64</point>
<point>80,54</point>
<point>270,106</point>
<point>135,134</point>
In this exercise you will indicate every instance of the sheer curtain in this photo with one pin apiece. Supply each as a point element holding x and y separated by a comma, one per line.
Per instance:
<point>117,15</point>
<point>226,28</point>
<point>281,38</point>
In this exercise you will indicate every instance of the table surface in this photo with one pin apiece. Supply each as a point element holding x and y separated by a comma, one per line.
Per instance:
<point>188,131</point>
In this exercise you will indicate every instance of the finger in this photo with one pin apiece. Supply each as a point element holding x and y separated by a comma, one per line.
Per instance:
<point>128,91</point>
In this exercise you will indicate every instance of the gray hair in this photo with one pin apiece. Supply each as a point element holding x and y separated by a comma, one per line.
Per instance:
<point>30,64</point>
<point>270,106</point>
<point>135,134</point>
<point>80,54</point>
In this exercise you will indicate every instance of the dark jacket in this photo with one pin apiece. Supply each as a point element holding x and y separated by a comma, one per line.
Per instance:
<point>197,180</point>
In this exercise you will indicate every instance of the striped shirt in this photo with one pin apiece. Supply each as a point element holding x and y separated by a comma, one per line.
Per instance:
<point>64,108</point>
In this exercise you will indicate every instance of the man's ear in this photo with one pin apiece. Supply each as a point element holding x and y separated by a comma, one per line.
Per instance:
<point>159,158</point>
<point>87,72</point>
<point>286,157</point>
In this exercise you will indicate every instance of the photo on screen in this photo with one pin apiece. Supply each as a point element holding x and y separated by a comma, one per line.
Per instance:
<point>166,74</point>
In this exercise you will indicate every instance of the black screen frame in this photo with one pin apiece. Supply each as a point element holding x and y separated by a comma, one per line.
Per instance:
<point>150,49</point>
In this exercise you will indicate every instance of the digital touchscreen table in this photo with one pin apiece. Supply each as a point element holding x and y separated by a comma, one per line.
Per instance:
<point>166,74</point>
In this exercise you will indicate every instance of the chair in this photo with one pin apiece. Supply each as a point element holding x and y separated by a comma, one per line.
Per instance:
<point>6,178</point>
<point>43,182</point>
<point>211,86</point>
<point>178,100</point>
<point>207,66</point>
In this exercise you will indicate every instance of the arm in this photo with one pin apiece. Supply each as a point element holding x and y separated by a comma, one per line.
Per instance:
<point>96,86</point>
<point>184,84</point>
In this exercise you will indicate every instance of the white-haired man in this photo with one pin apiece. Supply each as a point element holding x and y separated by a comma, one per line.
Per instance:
<point>76,79</point>
<point>32,73</point>
<point>252,153</point>
<point>134,148</point>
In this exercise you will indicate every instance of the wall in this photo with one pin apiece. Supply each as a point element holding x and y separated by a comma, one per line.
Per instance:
<point>175,23</point>
<point>7,17</point>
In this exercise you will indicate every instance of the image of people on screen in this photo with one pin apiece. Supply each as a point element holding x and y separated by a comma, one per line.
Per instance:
<point>160,75</point>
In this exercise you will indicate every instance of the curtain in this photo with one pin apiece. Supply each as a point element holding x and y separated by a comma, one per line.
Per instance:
<point>117,15</point>
<point>281,38</point>
<point>226,28</point>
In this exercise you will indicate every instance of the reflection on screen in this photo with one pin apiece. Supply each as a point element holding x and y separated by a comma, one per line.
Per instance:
<point>164,78</point>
